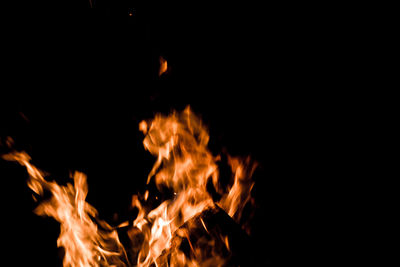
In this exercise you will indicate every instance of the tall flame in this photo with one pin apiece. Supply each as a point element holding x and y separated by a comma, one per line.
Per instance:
<point>184,164</point>
<point>187,168</point>
<point>85,244</point>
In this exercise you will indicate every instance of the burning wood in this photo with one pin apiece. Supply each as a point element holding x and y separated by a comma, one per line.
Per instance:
<point>213,234</point>
<point>198,224</point>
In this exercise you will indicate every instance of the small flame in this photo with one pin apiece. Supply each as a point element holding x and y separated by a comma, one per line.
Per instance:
<point>238,196</point>
<point>146,195</point>
<point>163,66</point>
<point>143,127</point>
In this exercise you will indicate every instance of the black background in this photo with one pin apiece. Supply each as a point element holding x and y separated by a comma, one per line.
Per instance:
<point>78,80</point>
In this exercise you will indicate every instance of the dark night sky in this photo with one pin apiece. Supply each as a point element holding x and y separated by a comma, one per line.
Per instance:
<point>77,81</point>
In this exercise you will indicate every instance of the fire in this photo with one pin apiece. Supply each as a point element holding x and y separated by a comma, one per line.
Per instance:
<point>184,164</point>
<point>238,195</point>
<point>84,242</point>
<point>163,66</point>
<point>187,169</point>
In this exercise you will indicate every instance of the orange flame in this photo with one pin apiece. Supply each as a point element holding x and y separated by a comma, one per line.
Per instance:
<point>163,66</point>
<point>185,166</point>
<point>238,195</point>
<point>84,242</point>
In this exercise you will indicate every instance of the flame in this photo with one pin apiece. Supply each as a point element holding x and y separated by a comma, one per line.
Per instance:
<point>163,66</point>
<point>184,164</point>
<point>238,195</point>
<point>84,242</point>
<point>185,167</point>
<point>143,127</point>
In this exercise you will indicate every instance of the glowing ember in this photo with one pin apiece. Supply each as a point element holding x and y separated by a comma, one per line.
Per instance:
<point>185,166</point>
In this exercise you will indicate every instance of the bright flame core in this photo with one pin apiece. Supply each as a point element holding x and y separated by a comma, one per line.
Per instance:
<point>186,167</point>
